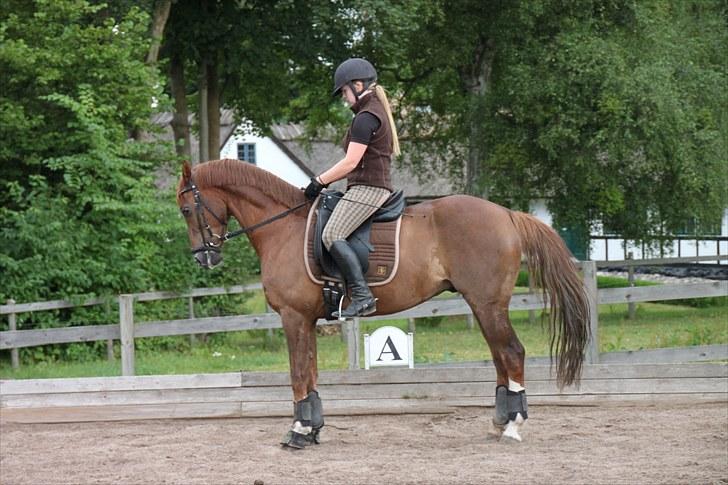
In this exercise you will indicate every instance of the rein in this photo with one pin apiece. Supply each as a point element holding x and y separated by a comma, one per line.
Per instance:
<point>245,230</point>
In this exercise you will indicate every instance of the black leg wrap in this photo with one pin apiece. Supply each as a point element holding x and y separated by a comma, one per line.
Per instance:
<point>309,411</point>
<point>308,420</point>
<point>508,404</point>
<point>501,406</point>
<point>517,403</point>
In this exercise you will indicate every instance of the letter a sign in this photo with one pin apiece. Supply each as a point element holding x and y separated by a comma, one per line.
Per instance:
<point>388,346</point>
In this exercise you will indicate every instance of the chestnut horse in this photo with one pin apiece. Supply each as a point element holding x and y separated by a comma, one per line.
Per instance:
<point>456,243</point>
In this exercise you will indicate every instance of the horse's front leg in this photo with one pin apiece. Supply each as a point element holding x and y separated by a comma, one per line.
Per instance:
<point>308,416</point>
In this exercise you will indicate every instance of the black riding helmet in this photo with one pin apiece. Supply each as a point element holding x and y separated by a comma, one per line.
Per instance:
<point>354,69</point>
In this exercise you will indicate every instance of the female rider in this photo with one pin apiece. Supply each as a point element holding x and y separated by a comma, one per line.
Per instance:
<point>369,144</point>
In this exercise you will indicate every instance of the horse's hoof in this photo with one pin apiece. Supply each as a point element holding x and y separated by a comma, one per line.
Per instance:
<point>299,441</point>
<point>511,440</point>
<point>494,433</point>
<point>511,435</point>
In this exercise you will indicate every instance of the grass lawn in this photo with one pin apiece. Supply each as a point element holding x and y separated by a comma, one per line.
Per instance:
<point>449,340</point>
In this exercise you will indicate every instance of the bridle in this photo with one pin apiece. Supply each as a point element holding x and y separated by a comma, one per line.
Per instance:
<point>213,243</point>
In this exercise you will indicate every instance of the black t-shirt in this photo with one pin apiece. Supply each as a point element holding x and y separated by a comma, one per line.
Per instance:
<point>363,127</point>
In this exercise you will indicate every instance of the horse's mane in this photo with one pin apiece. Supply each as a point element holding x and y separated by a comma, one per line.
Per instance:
<point>228,172</point>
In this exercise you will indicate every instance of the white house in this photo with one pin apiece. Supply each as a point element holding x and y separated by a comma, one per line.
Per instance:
<point>267,153</point>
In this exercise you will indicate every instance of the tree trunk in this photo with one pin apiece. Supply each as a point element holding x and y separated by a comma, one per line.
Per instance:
<point>202,115</point>
<point>159,21</point>
<point>213,111</point>
<point>475,79</point>
<point>180,118</point>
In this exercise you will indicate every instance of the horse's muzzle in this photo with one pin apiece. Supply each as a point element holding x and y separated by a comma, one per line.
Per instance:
<point>208,258</point>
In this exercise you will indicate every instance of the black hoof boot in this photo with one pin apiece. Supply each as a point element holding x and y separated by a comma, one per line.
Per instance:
<point>363,302</point>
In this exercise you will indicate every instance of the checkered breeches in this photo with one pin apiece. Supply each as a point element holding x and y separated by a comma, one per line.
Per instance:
<point>359,202</point>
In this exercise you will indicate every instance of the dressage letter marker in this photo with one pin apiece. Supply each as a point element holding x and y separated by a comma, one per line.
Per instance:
<point>388,346</point>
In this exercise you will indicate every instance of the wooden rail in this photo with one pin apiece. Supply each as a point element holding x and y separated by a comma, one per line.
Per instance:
<point>127,330</point>
<point>390,391</point>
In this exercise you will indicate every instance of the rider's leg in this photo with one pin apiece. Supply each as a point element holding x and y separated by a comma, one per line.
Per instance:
<point>362,300</point>
<point>357,205</point>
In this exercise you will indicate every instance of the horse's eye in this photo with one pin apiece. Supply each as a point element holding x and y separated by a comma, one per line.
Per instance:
<point>186,211</point>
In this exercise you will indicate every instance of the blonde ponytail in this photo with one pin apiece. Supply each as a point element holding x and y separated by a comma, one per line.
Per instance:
<point>382,95</point>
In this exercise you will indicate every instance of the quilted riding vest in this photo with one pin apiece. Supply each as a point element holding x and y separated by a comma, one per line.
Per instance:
<point>373,168</point>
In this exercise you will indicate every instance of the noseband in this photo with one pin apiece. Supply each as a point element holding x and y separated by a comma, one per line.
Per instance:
<point>214,241</point>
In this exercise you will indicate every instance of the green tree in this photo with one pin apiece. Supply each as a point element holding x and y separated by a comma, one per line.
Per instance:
<point>248,56</point>
<point>612,110</point>
<point>81,213</point>
<point>616,112</point>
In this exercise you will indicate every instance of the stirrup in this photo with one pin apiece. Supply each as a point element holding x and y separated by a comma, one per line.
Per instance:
<point>368,309</point>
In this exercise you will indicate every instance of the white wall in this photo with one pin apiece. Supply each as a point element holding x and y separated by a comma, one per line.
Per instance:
<point>268,157</point>
<point>538,208</point>
<point>599,248</point>
<point>685,248</point>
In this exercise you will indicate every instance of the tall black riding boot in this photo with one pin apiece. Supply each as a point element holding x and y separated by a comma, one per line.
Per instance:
<point>362,301</point>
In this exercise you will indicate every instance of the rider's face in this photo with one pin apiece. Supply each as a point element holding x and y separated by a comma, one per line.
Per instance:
<point>348,95</point>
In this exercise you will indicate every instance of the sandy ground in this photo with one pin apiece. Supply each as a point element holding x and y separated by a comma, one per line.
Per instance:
<point>627,443</point>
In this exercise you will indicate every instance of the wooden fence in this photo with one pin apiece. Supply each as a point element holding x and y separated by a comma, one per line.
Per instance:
<point>379,391</point>
<point>127,329</point>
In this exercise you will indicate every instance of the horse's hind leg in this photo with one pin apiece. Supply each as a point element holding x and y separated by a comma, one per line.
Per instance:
<point>511,408</point>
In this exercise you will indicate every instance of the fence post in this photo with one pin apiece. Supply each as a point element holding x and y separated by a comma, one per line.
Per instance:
<point>269,333</point>
<point>412,326</point>
<point>470,319</point>
<point>191,315</point>
<point>352,343</point>
<point>590,285</point>
<point>109,342</point>
<point>630,279</point>
<point>13,326</point>
<point>126,327</point>
<point>531,287</point>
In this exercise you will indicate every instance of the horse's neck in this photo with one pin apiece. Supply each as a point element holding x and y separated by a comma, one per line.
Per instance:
<point>252,205</point>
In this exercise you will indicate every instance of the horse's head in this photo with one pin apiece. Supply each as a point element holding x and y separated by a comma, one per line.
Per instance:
<point>206,215</point>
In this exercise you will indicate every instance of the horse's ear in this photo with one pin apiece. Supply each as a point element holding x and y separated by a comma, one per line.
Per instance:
<point>186,171</point>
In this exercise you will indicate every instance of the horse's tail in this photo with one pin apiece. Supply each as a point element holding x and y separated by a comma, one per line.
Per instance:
<point>550,264</point>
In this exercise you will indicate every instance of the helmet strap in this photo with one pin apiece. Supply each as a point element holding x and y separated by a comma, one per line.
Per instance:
<point>366,82</point>
<point>353,89</point>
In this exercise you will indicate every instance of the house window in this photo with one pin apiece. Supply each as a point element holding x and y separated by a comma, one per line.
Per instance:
<point>246,152</point>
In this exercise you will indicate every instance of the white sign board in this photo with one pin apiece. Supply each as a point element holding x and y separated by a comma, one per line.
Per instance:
<point>388,346</point>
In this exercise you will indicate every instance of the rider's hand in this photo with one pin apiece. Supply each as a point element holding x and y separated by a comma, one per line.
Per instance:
<point>313,189</point>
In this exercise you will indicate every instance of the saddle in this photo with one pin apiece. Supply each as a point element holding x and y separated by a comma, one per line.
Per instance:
<point>375,242</point>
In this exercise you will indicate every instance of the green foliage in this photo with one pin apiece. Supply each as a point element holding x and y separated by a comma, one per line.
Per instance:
<point>617,282</point>
<point>81,214</point>
<point>719,302</point>
<point>266,52</point>
<point>620,100</point>
<point>612,111</point>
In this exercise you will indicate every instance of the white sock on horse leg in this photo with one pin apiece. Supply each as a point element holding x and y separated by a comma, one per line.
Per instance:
<point>300,429</point>
<point>513,386</point>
